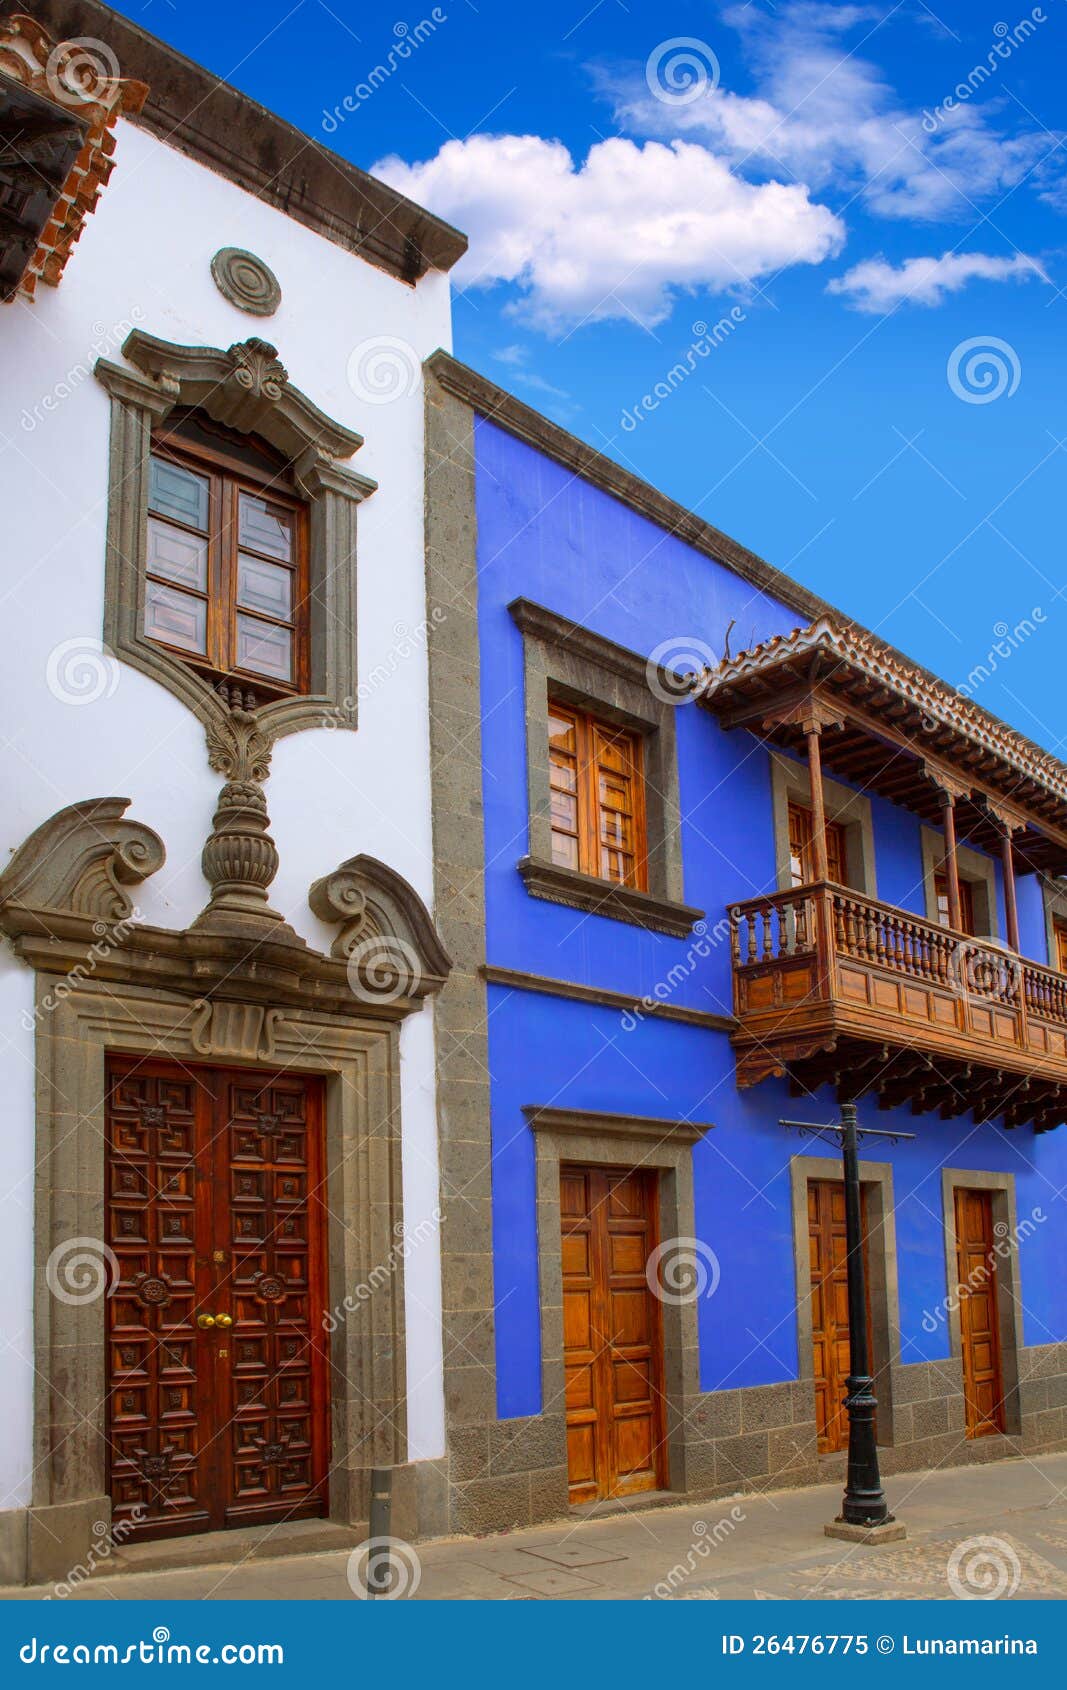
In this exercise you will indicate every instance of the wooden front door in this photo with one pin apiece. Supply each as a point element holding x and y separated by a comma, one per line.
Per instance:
<point>829,1307</point>
<point>218,1408</point>
<point>612,1345</point>
<point>976,1270</point>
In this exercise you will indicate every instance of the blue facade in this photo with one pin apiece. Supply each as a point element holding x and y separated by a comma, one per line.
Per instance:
<point>549,537</point>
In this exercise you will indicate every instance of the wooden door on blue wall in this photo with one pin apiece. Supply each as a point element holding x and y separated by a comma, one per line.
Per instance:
<point>829,1307</point>
<point>612,1344</point>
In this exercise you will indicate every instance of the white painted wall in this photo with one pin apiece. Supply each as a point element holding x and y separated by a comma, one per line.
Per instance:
<point>143,260</point>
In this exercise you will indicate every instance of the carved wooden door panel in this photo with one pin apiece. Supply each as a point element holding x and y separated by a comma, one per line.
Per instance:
<point>612,1345</point>
<point>976,1263</point>
<point>217,1362</point>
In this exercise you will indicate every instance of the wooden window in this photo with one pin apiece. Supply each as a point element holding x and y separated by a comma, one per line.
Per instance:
<point>598,801</point>
<point>966,903</point>
<point>801,858</point>
<point>1059,931</point>
<point>226,567</point>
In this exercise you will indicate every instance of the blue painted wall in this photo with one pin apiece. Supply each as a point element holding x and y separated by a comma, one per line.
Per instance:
<point>545,536</point>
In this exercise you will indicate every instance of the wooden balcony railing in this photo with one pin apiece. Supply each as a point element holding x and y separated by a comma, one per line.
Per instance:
<point>822,967</point>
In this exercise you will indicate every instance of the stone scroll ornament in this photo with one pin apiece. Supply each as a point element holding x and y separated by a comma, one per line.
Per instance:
<point>387,940</point>
<point>83,863</point>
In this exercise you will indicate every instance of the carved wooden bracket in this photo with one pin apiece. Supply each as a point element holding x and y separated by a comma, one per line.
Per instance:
<point>82,862</point>
<point>950,786</point>
<point>1009,818</point>
<point>811,714</point>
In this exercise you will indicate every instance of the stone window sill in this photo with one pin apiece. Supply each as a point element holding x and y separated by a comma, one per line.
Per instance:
<point>603,897</point>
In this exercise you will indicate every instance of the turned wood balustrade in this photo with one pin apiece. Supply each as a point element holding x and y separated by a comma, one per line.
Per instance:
<point>823,963</point>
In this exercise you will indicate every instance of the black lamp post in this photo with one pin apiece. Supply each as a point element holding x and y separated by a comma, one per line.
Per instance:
<point>864,1508</point>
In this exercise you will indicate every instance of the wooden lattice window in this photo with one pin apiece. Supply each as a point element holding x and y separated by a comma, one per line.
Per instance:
<point>598,798</point>
<point>226,583</point>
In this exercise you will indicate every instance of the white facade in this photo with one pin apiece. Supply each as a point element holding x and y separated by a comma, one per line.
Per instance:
<point>79,724</point>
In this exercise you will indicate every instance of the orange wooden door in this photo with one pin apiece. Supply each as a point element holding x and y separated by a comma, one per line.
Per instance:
<point>976,1268</point>
<point>612,1344</point>
<point>215,1211</point>
<point>829,1307</point>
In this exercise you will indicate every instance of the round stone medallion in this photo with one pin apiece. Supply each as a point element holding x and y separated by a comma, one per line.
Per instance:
<point>246,281</point>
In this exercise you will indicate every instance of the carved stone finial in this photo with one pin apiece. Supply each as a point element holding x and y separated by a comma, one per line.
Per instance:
<point>82,861</point>
<point>240,859</point>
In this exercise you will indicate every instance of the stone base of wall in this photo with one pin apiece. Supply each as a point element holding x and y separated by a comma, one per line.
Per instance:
<point>512,1473</point>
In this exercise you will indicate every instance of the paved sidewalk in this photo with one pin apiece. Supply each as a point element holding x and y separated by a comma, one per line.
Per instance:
<point>755,1546</point>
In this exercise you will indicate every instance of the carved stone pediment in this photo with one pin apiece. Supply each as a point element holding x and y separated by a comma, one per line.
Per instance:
<point>65,905</point>
<point>246,387</point>
<point>83,862</point>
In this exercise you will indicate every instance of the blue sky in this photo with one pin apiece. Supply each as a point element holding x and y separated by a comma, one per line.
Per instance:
<point>883,410</point>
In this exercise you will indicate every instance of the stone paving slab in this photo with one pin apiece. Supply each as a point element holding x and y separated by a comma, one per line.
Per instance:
<point>998,1529</point>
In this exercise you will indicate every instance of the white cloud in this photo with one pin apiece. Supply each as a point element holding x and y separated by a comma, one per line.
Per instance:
<point>878,286</point>
<point>617,235</point>
<point>825,115</point>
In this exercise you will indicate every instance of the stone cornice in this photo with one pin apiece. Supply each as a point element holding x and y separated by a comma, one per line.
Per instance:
<point>606,898</point>
<point>640,1009</point>
<point>560,631</point>
<point>190,109</point>
<point>591,1121</point>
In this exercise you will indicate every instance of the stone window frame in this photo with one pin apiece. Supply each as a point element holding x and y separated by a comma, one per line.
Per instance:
<point>248,389</point>
<point>790,785</point>
<point>978,870</point>
<point>637,1144</point>
<point>565,661</point>
<point>1054,901</point>
<point>78,1027</point>
<point>877,1180</point>
<point>1009,1303</point>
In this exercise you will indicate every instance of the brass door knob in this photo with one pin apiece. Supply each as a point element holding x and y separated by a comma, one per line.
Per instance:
<point>204,1321</point>
<point>224,1320</point>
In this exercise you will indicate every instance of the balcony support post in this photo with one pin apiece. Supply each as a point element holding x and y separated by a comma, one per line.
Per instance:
<point>820,860</point>
<point>1011,907</point>
<point>952,873</point>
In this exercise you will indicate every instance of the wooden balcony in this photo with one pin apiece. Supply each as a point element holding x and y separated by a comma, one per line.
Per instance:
<point>833,987</point>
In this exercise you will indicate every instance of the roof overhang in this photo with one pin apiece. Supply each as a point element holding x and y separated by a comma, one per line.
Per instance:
<point>890,727</point>
<point>58,105</point>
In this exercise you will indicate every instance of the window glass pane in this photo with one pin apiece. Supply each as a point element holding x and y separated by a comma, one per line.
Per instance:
<point>175,617</point>
<point>564,850</point>
<point>561,736</point>
<point>174,491</point>
<point>265,527</point>
<point>264,649</point>
<point>179,556</point>
<point>264,586</point>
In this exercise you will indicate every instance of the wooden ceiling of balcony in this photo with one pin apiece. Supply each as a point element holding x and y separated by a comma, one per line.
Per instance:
<point>889,727</point>
<point>930,1081</point>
